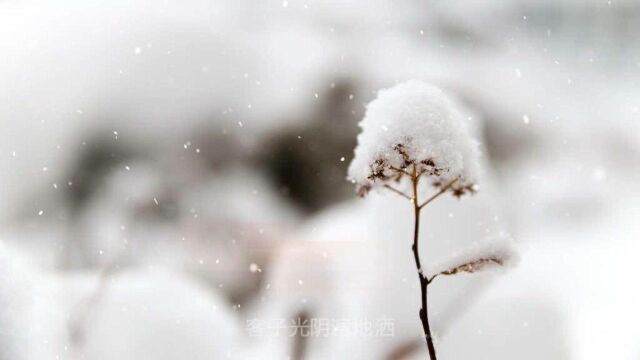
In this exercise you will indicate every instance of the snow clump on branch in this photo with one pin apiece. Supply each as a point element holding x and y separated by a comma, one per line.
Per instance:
<point>415,126</point>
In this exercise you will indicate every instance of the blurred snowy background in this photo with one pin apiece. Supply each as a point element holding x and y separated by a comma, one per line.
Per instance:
<point>173,179</point>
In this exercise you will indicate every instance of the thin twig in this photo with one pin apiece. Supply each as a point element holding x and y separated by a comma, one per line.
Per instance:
<point>469,267</point>
<point>444,189</point>
<point>429,280</point>
<point>400,171</point>
<point>398,192</point>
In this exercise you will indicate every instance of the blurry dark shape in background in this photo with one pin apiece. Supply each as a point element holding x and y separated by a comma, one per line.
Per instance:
<point>222,145</point>
<point>99,156</point>
<point>503,144</point>
<point>308,162</point>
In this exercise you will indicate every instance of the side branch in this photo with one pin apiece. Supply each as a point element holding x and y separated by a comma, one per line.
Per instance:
<point>401,171</point>
<point>444,189</point>
<point>398,192</point>
<point>469,267</point>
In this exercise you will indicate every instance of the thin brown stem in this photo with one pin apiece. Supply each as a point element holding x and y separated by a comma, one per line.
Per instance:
<point>429,280</point>
<point>398,192</point>
<point>424,282</point>
<point>435,196</point>
<point>401,171</point>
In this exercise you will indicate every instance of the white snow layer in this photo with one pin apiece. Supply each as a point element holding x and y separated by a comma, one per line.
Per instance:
<point>140,314</point>
<point>428,125</point>
<point>493,253</point>
<point>25,320</point>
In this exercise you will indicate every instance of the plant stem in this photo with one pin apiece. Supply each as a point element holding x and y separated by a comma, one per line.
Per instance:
<point>424,283</point>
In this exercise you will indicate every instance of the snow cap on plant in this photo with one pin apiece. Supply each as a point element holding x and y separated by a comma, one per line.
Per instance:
<point>493,253</point>
<point>415,125</point>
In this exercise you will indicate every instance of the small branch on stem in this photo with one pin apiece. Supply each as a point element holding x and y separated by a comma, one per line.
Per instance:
<point>444,190</point>
<point>398,192</point>
<point>470,266</point>
<point>400,171</point>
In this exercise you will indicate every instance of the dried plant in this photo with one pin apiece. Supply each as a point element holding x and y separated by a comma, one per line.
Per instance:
<point>414,134</point>
<point>471,266</point>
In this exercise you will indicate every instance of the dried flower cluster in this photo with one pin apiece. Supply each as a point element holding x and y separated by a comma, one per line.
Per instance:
<point>415,126</point>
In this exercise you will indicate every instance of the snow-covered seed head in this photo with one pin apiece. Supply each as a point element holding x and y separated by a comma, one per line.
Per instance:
<point>480,256</point>
<point>415,126</point>
<point>474,265</point>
